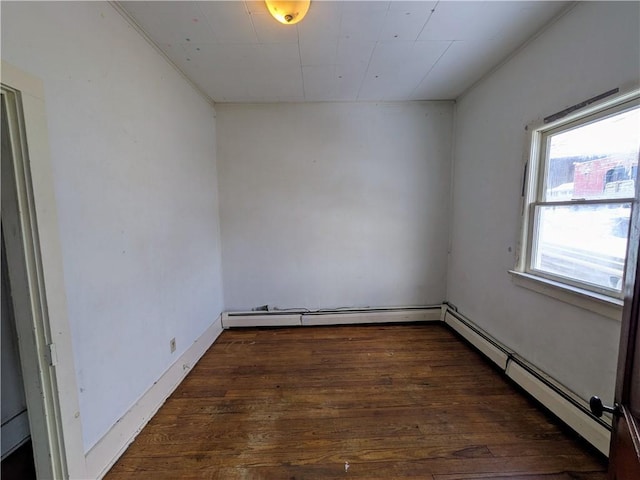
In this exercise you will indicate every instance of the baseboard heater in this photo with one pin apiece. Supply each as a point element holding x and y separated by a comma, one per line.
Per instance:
<point>563,403</point>
<point>301,318</point>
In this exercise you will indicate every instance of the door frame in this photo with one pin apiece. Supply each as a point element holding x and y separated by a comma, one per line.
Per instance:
<point>34,263</point>
<point>625,426</point>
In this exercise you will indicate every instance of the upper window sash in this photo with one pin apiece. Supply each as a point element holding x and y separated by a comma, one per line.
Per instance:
<point>544,133</point>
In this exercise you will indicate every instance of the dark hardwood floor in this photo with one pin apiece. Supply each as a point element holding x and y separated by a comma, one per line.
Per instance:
<point>366,402</point>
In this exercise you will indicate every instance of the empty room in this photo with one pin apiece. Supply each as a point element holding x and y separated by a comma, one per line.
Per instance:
<point>320,239</point>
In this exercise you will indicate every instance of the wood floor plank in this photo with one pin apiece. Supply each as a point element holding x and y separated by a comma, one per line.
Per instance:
<point>393,401</point>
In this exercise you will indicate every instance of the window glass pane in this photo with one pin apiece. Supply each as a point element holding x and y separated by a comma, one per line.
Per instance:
<point>586,243</point>
<point>594,161</point>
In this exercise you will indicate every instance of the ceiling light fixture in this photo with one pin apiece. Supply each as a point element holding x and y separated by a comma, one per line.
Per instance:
<point>288,12</point>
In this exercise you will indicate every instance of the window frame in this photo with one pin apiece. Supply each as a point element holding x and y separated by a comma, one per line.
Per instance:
<point>533,197</point>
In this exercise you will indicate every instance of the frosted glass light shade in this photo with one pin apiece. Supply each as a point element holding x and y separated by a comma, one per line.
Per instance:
<point>288,12</point>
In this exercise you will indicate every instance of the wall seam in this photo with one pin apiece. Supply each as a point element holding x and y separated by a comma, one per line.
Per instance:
<point>452,161</point>
<point>138,28</point>
<point>518,50</point>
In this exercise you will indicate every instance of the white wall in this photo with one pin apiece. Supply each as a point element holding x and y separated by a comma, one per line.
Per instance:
<point>133,153</point>
<point>334,204</point>
<point>592,49</point>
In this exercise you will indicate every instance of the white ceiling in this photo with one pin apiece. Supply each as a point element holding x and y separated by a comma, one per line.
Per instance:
<point>342,50</point>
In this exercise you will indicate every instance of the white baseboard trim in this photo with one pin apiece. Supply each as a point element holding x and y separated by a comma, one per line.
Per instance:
<point>112,445</point>
<point>563,403</point>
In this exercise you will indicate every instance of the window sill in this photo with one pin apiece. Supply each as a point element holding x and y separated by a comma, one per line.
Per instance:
<point>602,304</point>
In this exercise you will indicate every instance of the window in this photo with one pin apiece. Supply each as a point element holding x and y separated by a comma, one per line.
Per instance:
<point>580,189</point>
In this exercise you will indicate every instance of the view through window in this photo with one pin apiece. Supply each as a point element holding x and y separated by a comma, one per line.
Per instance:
<point>580,217</point>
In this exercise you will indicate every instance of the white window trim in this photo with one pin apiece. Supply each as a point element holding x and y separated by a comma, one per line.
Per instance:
<point>604,305</point>
<point>600,302</point>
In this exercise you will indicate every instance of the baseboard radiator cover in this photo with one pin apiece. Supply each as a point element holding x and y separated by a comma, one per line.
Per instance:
<point>571,410</point>
<point>489,347</point>
<point>279,318</point>
<point>261,319</point>
<point>562,402</point>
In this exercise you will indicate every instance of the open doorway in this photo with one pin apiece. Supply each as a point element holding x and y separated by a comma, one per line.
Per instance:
<point>17,452</point>
<point>32,265</point>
